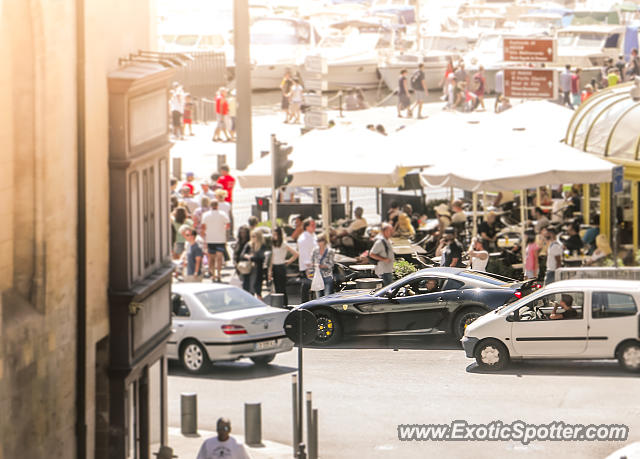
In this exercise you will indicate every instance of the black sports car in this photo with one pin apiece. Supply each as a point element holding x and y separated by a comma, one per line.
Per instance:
<point>433,300</point>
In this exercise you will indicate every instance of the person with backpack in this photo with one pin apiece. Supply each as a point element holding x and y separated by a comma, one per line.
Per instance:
<point>419,85</point>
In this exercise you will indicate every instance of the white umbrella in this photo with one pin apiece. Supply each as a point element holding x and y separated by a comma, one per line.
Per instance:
<point>334,157</point>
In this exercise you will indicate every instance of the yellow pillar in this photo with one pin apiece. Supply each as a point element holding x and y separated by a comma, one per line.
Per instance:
<point>605,210</point>
<point>636,219</point>
<point>586,203</point>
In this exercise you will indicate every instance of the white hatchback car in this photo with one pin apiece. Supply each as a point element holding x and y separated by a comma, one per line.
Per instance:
<point>216,322</point>
<point>594,319</point>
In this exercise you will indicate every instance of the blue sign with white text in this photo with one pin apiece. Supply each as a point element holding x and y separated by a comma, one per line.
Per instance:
<point>618,179</point>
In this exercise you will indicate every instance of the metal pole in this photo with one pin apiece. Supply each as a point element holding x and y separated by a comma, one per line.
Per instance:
<point>325,199</point>
<point>347,204</point>
<point>418,26</point>
<point>294,404</point>
<point>309,424</point>
<point>252,424</point>
<point>301,452</point>
<point>244,149</point>
<point>274,204</point>
<point>313,447</point>
<point>614,224</point>
<point>523,217</point>
<point>474,232</point>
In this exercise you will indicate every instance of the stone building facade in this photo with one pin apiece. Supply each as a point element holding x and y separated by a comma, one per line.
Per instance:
<point>40,398</point>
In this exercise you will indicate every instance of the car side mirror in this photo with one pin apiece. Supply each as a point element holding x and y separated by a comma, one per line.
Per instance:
<point>513,317</point>
<point>183,311</point>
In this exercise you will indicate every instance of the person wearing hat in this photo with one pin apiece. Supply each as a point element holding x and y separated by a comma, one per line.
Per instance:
<point>165,452</point>
<point>223,445</point>
<point>449,250</point>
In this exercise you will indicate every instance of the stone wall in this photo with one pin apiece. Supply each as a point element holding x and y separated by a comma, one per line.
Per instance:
<point>38,211</point>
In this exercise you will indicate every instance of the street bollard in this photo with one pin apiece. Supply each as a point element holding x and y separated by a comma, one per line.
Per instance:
<point>294,399</point>
<point>176,168</point>
<point>277,300</point>
<point>253,424</point>
<point>313,437</point>
<point>189,413</point>
<point>309,409</point>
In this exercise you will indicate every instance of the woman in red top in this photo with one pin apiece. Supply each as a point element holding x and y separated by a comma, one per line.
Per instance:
<point>448,71</point>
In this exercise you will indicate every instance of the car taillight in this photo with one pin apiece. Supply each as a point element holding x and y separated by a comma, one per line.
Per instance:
<point>233,330</point>
<point>537,286</point>
<point>518,294</point>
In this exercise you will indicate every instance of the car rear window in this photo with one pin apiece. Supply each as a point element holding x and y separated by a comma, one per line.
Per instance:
<point>486,278</point>
<point>227,299</point>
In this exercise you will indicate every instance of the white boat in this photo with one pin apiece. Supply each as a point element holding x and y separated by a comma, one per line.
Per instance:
<point>279,44</point>
<point>435,52</point>
<point>589,46</point>
<point>475,25</point>
<point>539,23</point>
<point>352,51</point>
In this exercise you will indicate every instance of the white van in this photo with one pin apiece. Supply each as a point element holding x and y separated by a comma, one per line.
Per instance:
<point>579,318</point>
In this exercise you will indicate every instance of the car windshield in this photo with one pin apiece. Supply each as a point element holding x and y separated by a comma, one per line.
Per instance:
<point>484,277</point>
<point>227,299</point>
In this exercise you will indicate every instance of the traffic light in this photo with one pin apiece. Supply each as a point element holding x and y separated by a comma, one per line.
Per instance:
<point>262,203</point>
<point>281,164</point>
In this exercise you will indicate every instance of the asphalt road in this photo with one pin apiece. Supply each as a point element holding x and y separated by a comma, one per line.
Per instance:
<point>364,389</point>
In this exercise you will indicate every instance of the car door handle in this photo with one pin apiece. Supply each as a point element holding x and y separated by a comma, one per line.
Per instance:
<point>180,325</point>
<point>440,298</point>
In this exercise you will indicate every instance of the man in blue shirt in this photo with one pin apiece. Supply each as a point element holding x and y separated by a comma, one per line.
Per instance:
<point>194,256</point>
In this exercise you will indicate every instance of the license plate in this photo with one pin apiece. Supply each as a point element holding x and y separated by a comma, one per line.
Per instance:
<point>266,344</point>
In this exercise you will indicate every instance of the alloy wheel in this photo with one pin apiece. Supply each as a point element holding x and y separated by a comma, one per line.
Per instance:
<point>193,357</point>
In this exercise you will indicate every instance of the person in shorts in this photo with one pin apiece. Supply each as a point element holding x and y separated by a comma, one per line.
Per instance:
<point>215,224</point>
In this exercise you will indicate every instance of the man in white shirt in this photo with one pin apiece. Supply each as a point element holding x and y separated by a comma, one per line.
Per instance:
<point>214,225</point>
<point>224,446</point>
<point>554,255</point>
<point>306,243</point>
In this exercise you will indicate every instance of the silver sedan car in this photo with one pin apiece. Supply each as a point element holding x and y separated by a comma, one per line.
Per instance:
<point>216,322</point>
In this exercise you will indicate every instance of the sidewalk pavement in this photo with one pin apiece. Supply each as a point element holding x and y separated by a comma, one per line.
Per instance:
<point>187,447</point>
